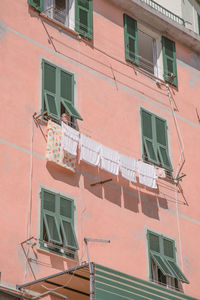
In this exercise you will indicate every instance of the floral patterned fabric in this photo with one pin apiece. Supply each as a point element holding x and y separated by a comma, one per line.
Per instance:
<point>54,150</point>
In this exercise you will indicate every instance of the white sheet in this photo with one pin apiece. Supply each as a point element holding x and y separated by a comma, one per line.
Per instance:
<point>70,139</point>
<point>147,174</point>
<point>128,167</point>
<point>110,160</point>
<point>89,150</point>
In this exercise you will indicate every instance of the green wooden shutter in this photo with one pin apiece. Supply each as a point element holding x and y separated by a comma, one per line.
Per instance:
<point>84,18</point>
<point>131,39</point>
<point>50,90</point>
<point>162,143</point>
<point>67,222</point>
<point>169,60</point>
<point>154,243</point>
<point>37,4</point>
<point>198,17</point>
<point>49,220</point>
<point>178,274</point>
<point>149,147</point>
<point>161,263</point>
<point>169,248</point>
<point>67,93</point>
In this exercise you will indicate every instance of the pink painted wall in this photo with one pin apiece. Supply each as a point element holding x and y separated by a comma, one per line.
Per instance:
<point>109,95</point>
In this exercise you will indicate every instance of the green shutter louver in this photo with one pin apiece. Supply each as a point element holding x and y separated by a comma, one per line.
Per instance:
<point>161,263</point>
<point>69,234</point>
<point>131,39</point>
<point>178,274</point>
<point>162,143</point>
<point>147,135</point>
<point>162,252</point>
<point>168,248</point>
<point>169,60</point>
<point>154,243</point>
<point>67,94</point>
<point>154,140</point>
<point>58,92</point>
<point>37,4</point>
<point>50,90</point>
<point>52,228</point>
<point>84,18</point>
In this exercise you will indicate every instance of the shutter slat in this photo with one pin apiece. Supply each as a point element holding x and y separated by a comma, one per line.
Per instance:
<point>37,4</point>
<point>169,60</point>
<point>84,18</point>
<point>131,39</point>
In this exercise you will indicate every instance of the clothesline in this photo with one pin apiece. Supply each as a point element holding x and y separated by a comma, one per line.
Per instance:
<point>107,159</point>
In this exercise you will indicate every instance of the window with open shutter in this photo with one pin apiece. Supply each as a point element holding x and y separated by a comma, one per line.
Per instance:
<point>37,4</point>
<point>169,61</point>
<point>131,39</point>
<point>163,266</point>
<point>154,140</point>
<point>57,222</point>
<point>84,18</point>
<point>58,92</point>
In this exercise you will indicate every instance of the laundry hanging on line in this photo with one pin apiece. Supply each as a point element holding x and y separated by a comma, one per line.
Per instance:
<point>107,159</point>
<point>90,150</point>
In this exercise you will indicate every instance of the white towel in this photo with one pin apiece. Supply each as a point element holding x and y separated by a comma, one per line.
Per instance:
<point>147,174</point>
<point>128,167</point>
<point>89,150</point>
<point>110,160</point>
<point>70,139</point>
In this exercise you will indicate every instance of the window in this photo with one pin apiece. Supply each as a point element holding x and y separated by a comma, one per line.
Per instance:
<point>66,11</point>
<point>142,47</point>
<point>169,61</point>
<point>57,223</point>
<point>154,140</point>
<point>58,92</point>
<point>163,266</point>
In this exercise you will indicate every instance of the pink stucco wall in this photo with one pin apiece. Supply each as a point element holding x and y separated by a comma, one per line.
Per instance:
<point>109,95</point>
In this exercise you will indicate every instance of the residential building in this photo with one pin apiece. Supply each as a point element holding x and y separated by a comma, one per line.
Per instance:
<point>100,125</point>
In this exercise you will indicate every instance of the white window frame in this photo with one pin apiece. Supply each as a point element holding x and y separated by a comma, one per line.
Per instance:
<point>157,49</point>
<point>70,19</point>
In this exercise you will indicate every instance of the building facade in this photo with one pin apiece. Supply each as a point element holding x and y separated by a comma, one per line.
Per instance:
<point>100,126</point>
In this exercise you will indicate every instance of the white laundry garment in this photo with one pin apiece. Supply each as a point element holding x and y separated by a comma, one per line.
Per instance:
<point>147,174</point>
<point>160,172</point>
<point>70,139</point>
<point>110,160</point>
<point>128,167</point>
<point>89,150</point>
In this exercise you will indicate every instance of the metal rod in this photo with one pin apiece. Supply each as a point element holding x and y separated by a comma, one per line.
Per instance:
<point>101,182</point>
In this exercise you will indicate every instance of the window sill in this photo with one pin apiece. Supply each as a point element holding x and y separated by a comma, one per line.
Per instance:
<point>46,251</point>
<point>158,80</point>
<point>61,26</point>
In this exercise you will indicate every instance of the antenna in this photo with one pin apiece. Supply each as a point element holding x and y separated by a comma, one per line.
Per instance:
<point>86,240</point>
